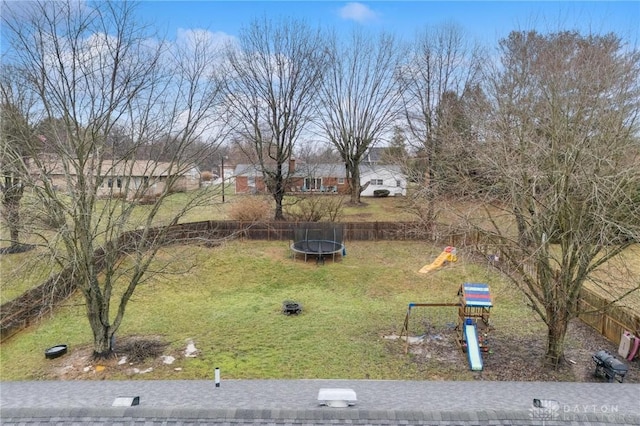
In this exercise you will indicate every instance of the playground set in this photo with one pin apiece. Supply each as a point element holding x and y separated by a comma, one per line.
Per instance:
<point>474,309</point>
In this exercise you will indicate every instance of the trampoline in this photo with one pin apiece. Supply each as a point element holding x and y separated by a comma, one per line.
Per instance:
<point>317,240</point>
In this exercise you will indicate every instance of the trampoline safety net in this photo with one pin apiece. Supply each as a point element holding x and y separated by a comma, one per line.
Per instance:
<point>319,232</point>
<point>318,239</point>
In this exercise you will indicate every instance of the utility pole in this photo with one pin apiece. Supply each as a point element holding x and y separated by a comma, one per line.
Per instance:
<point>222,175</point>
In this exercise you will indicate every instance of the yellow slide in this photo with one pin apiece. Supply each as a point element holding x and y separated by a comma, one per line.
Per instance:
<point>448,255</point>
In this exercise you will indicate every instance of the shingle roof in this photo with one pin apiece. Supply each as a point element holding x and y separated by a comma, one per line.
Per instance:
<point>335,170</point>
<point>149,168</point>
<point>294,402</point>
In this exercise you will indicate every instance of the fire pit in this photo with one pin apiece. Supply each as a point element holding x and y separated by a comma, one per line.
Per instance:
<point>608,366</point>
<point>291,308</point>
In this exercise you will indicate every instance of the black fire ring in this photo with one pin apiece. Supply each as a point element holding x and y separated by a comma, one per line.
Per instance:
<point>291,308</point>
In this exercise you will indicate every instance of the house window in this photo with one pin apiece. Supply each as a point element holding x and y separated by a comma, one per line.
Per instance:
<point>312,183</point>
<point>340,181</point>
<point>398,183</point>
<point>376,182</point>
<point>118,183</point>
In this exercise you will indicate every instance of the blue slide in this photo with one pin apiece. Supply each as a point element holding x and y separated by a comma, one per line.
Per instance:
<point>473,348</point>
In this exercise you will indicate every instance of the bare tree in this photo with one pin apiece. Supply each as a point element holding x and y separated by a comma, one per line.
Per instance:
<point>273,77</point>
<point>98,74</point>
<point>563,154</point>
<point>317,152</point>
<point>359,97</point>
<point>442,65</point>
<point>15,129</point>
<point>17,142</point>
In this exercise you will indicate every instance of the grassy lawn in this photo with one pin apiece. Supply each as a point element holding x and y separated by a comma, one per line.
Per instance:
<point>377,210</point>
<point>20,272</point>
<point>23,271</point>
<point>619,275</point>
<point>228,301</point>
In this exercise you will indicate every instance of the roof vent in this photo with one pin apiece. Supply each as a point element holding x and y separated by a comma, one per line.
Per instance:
<point>337,398</point>
<point>126,401</point>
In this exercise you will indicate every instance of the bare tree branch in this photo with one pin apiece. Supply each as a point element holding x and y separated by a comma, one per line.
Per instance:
<point>271,85</point>
<point>99,75</point>
<point>360,99</point>
<point>563,156</point>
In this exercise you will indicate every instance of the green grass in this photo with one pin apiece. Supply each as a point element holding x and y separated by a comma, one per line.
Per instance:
<point>378,210</point>
<point>228,301</point>
<point>23,271</point>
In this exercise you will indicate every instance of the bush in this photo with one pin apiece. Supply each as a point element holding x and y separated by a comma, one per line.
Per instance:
<point>251,208</point>
<point>206,176</point>
<point>148,199</point>
<point>314,208</point>
<point>381,193</point>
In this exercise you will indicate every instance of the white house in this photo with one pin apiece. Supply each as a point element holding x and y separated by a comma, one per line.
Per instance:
<point>387,176</point>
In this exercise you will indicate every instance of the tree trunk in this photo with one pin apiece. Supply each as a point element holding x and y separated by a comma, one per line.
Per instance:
<point>14,223</point>
<point>523,237</point>
<point>102,343</point>
<point>354,183</point>
<point>98,315</point>
<point>12,195</point>
<point>278,196</point>
<point>279,214</point>
<point>102,347</point>
<point>555,340</point>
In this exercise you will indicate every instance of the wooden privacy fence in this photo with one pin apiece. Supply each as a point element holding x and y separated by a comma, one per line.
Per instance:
<point>352,231</point>
<point>610,321</point>
<point>18,313</point>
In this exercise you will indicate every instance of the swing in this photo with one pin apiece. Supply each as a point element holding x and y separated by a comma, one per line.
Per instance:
<point>407,322</point>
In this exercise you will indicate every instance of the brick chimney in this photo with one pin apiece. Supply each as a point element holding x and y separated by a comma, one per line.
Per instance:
<point>292,165</point>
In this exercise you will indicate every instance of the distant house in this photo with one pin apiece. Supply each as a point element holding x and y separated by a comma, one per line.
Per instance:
<point>133,179</point>
<point>304,178</point>
<point>387,176</point>
<point>328,178</point>
<point>228,172</point>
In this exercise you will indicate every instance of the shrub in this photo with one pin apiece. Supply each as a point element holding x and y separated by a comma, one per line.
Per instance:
<point>381,193</point>
<point>116,196</point>
<point>252,208</point>
<point>206,176</point>
<point>138,349</point>
<point>148,199</point>
<point>314,208</point>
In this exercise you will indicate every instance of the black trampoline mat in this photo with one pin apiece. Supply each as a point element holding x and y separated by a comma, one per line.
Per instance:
<point>317,246</point>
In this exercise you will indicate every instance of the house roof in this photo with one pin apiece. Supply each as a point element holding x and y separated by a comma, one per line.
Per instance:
<point>136,168</point>
<point>334,170</point>
<point>301,170</point>
<point>268,402</point>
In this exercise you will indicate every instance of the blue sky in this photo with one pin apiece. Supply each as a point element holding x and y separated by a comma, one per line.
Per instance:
<point>485,21</point>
